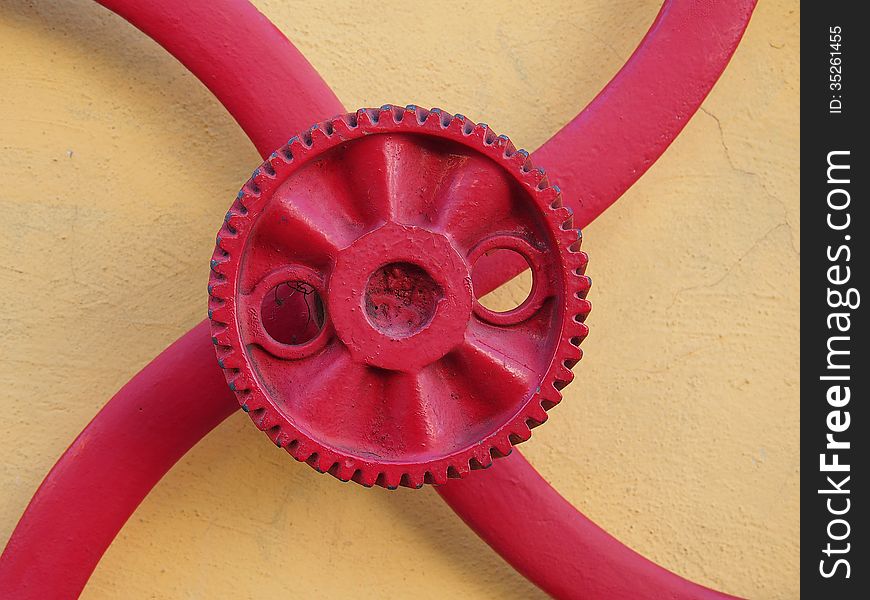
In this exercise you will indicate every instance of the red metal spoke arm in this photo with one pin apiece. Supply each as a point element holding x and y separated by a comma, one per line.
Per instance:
<point>265,83</point>
<point>614,140</point>
<point>273,92</point>
<point>632,121</point>
<point>107,471</point>
<point>551,543</point>
<point>595,158</point>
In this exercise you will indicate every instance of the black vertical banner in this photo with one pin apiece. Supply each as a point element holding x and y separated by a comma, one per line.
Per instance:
<point>835,352</point>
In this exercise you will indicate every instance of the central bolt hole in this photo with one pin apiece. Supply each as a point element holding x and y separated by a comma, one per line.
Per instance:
<point>401,299</point>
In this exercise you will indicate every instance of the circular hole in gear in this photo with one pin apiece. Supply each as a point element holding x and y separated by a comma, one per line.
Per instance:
<point>292,313</point>
<point>512,294</point>
<point>401,298</point>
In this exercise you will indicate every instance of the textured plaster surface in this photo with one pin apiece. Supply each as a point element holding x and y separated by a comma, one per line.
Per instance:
<point>680,435</point>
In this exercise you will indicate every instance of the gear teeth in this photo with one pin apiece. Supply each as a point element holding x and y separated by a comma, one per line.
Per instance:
<point>390,111</point>
<point>564,374</point>
<point>389,479</point>
<point>538,179</point>
<point>574,247</point>
<point>269,170</point>
<point>582,261</point>
<point>520,433</point>
<point>549,396</point>
<point>411,480</point>
<point>565,217</point>
<point>229,361</point>
<point>584,307</point>
<point>489,136</point>
<point>220,336</point>
<point>344,125</point>
<point>457,125</point>
<point>238,381</point>
<point>501,447</point>
<point>365,478</point>
<point>219,314</point>
<point>421,115</point>
<point>322,462</point>
<point>278,437</point>
<point>442,123</point>
<point>445,118</point>
<point>572,352</point>
<point>215,266</point>
<point>536,415</point>
<point>518,158</point>
<point>584,284</point>
<point>366,117</point>
<point>296,145</point>
<point>266,421</point>
<point>456,471</point>
<point>317,135</point>
<point>218,286</point>
<point>482,459</point>
<point>552,196</point>
<point>435,477</point>
<point>299,449</point>
<point>342,470</point>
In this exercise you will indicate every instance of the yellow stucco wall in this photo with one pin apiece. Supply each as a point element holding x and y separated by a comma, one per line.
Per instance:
<point>680,435</point>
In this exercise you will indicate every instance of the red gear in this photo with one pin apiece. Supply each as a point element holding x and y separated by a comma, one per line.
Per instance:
<point>365,229</point>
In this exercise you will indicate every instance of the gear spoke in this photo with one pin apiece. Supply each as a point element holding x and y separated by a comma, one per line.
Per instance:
<point>314,200</point>
<point>418,410</point>
<point>303,224</point>
<point>396,177</point>
<point>297,380</point>
<point>502,358</point>
<point>479,200</point>
<point>333,397</point>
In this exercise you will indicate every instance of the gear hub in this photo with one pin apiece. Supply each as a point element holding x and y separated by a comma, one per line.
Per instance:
<point>343,306</point>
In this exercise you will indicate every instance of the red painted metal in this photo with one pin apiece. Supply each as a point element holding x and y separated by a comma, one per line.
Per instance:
<point>264,82</point>
<point>675,52</point>
<point>407,379</point>
<point>633,120</point>
<point>560,550</point>
<point>110,467</point>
